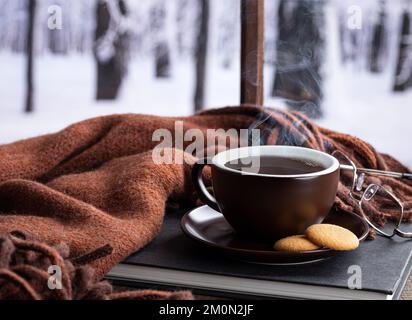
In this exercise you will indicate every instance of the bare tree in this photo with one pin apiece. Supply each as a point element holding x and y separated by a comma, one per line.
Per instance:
<point>403,76</point>
<point>161,48</point>
<point>31,13</point>
<point>201,54</point>
<point>300,49</point>
<point>227,32</point>
<point>58,39</point>
<point>111,49</point>
<point>377,49</point>
<point>349,40</point>
<point>181,16</point>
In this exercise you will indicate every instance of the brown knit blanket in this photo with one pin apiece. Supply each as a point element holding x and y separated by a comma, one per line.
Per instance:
<point>94,185</point>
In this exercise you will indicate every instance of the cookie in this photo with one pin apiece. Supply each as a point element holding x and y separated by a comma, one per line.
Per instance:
<point>295,244</point>
<point>332,237</point>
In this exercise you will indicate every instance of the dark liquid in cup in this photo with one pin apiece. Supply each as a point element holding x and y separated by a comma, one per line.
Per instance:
<point>275,165</point>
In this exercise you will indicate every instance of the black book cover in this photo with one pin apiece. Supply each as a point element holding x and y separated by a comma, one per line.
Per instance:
<point>383,262</point>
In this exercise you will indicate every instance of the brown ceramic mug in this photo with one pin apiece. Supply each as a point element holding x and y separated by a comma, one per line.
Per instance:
<point>269,206</point>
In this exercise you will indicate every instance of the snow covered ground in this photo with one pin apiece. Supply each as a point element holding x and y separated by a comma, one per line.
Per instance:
<point>355,102</point>
<point>65,93</point>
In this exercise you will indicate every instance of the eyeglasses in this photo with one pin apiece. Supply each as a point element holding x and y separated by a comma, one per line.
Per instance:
<point>374,195</point>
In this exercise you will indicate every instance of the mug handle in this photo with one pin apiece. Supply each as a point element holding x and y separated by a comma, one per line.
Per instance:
<point>199,185</point>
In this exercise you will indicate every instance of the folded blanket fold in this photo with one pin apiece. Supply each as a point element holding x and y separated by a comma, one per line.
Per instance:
<point>95,182</point>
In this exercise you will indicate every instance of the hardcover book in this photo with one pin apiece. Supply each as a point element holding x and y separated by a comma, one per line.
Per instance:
<point>376,270</point>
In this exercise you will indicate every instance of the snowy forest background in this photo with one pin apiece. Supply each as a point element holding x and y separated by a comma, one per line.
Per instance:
<point>172,57</point>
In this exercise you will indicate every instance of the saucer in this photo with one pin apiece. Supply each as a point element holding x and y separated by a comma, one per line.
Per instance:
<point>210,228</point>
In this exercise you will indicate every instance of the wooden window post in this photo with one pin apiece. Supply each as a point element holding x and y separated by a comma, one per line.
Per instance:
<point>252,49</point>
<point>31,11</point>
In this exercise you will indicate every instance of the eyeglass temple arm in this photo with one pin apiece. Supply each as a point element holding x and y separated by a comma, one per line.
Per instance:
<point>400,175</point>
<point>403,234</point>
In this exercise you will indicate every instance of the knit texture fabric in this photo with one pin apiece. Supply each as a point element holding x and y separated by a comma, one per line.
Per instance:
<point>94,184</point>
<point>32,270</point>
